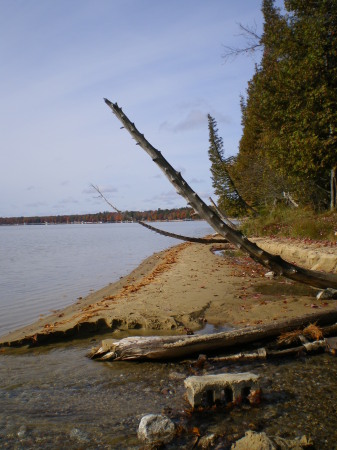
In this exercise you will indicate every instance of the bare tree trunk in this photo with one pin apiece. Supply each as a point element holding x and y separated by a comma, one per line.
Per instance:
<point>272,262</point>
<point>333,186</point>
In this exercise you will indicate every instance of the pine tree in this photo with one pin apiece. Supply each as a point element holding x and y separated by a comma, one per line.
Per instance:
<point>229,200</point>
<point>290,114</point>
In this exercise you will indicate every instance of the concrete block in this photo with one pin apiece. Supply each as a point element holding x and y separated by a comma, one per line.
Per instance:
<point>221,388</point>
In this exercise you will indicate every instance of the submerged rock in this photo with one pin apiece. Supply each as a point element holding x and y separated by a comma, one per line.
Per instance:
<point>79,435</point>
<point>22,431</point>
<point>207,441</point>
<point>156,429</point>
<point>260,441</point>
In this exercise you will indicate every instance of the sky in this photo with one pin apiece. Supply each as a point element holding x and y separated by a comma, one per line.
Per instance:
<point>161,61</point>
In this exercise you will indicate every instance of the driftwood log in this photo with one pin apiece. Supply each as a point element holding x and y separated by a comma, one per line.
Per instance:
<point>273,262</point>
<point>262,354</point>
<point>175,347</point>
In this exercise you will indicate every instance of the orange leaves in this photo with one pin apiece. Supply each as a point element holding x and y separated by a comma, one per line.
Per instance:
<point>170,257</point>
<point>195,431</point>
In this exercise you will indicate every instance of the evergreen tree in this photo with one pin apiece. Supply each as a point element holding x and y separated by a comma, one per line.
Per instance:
<point>229,200</point>
<point>290,114</point>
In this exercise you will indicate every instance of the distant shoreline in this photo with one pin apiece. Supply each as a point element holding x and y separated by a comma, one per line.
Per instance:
<point>94,223</point>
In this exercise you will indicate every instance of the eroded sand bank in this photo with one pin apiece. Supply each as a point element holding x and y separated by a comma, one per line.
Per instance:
<point>187,286</point>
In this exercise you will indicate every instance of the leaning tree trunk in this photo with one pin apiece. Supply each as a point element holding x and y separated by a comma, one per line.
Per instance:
<point>272,262</point>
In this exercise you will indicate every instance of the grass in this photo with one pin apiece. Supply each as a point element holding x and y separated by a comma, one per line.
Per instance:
<point>293,222</point>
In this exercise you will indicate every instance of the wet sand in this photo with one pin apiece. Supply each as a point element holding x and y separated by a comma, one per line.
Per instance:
<point>186,287</point>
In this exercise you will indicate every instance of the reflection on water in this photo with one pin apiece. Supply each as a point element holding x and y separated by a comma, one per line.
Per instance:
<point>55,397</point>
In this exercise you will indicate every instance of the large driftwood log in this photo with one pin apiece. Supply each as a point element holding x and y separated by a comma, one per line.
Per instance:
<point>174,347</point>
<point>272,262</point>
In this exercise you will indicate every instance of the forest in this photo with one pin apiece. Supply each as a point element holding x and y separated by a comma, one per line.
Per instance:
<point>288,149</point>
<point>104,217</point>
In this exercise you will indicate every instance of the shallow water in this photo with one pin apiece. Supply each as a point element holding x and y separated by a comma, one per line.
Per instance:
<point>55,397</point>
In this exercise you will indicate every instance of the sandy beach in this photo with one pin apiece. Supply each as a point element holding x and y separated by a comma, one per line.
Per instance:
<point>187,287</point>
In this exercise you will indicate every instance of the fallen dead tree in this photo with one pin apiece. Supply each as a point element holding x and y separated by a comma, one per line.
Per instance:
<point>273,262</point>
<point>176,347</point>
<point>162,232</point>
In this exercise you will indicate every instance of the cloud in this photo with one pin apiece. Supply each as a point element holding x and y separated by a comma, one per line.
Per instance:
<point>194,120</point>
<point>103,189</point>
<point>66,201</point>
<point>168,197</point>
<point>196,180</point>
<point>36,204</point>
<point>31,188</point>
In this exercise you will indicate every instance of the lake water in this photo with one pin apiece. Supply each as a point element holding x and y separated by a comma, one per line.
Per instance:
<point>43,268</point>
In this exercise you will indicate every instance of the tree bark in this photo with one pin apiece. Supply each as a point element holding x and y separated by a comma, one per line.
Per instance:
<point>174,347</point>
<point>333,186</point>
<point>272,262</point>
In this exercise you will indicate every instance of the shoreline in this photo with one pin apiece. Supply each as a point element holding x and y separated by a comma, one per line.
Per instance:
<point>185,287</point>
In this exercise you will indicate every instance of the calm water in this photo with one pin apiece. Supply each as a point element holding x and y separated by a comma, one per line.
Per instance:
<point>43,268</point>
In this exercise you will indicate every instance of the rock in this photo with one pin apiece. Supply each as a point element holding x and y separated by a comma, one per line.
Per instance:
<point>295,444</point>
<point>207,441</point>
<point>225,388</point>
<point>176,376</point>
<point>156,429</point>
<point>22,431</point>
<point>270,275</point>
<point>254,441</point>
<point>260,441</point>
<point>327,294</point>
<point>79,435</point>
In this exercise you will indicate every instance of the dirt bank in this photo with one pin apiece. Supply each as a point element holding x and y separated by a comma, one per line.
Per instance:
<point>186,287</point>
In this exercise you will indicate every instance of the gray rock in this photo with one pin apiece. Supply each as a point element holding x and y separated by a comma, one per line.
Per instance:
<point>79,435</point>
<point>22,431</point>
<point>207,441</point>
<point>156,429</point>
<point>176,376</point>
<point>260,441</point>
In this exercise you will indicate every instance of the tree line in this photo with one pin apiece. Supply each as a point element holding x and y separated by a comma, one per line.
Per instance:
<point>288,149</point>
<point>104,217</point>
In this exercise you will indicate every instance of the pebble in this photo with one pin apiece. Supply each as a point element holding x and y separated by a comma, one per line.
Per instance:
<point>22,431</point>
<point>79,435</point>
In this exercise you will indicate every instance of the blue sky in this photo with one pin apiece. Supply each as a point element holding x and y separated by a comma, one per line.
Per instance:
<point>160,60</point>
